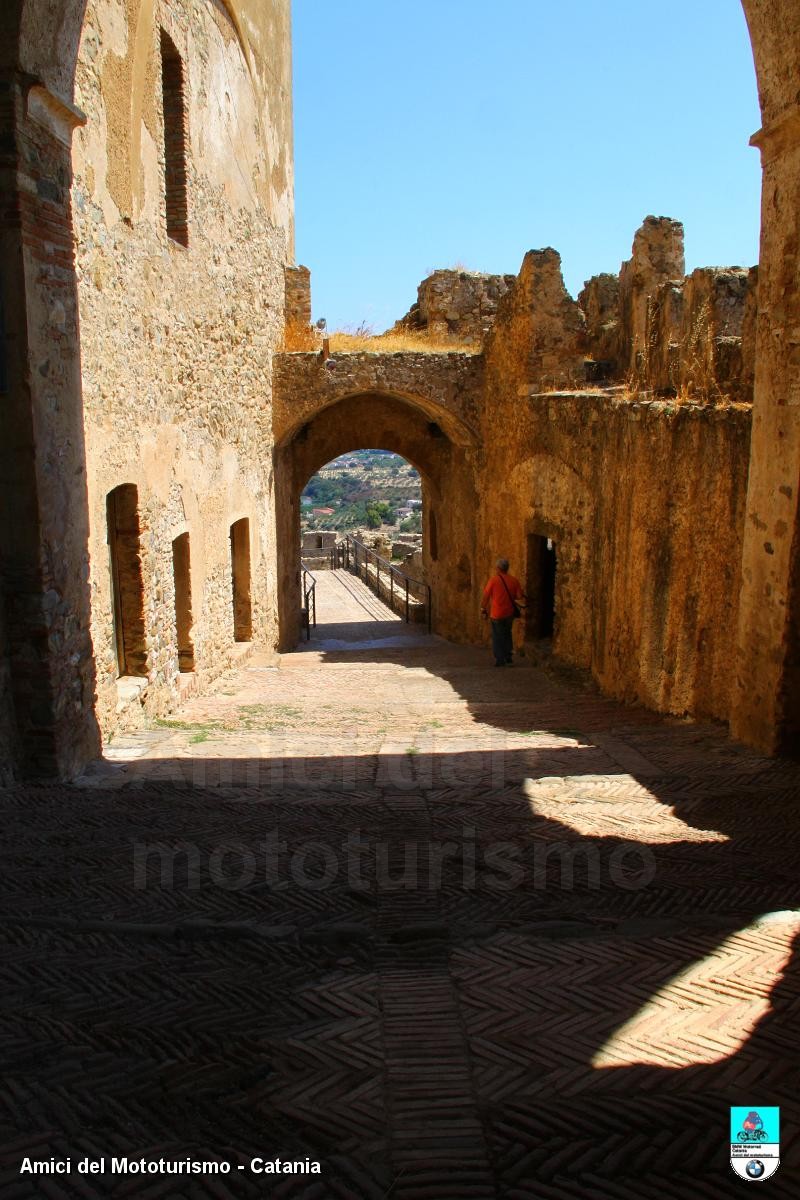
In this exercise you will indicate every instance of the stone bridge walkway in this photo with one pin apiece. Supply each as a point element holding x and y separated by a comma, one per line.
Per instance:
<point>453,932</point>
<point>348,613</point>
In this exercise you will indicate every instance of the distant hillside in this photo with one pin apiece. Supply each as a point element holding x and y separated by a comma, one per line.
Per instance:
<point>366,488</point>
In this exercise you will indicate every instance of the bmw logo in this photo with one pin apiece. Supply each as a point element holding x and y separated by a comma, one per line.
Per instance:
<point>755,1168</point>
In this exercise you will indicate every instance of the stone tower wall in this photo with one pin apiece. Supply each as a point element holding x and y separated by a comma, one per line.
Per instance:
<point>657,330</point>
<point>643,497</point>
<point>298,296</point>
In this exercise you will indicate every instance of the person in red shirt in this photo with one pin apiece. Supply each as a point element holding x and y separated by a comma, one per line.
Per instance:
<point>499,603</point>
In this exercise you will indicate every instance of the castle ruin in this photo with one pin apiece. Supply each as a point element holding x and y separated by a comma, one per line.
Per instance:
<point>156,436</point>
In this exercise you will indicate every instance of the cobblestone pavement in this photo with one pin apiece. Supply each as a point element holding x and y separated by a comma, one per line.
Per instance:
<point>454,932</point>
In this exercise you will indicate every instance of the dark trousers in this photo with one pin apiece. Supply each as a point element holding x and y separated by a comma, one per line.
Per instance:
<point>502,645</point>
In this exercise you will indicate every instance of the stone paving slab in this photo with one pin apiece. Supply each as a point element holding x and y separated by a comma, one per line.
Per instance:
<point>453,932</point>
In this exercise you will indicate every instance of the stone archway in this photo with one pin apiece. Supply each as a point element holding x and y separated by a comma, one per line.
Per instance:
<point>443,453</point>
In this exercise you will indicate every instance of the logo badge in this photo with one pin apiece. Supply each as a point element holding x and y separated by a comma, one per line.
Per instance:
<point>755,1142</point>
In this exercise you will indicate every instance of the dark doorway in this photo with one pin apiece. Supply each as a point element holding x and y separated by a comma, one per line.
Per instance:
<point>181,570</point>
<point>240,576</point>
<point>540,587</point>
<point>127,588</point>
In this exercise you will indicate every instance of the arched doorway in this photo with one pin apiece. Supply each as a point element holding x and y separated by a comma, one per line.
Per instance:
<point>441,450</point>
<point>361,550</point>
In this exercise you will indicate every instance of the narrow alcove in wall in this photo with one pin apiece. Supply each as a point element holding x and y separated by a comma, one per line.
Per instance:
<point>181,569</point>
<point>240,578</point>
<point>433,536</point>
<point>127,587</point>
<point>175,139</point>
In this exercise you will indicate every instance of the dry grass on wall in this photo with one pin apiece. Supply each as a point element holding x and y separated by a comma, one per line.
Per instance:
<point>306,337</point>
<point>393,342</point>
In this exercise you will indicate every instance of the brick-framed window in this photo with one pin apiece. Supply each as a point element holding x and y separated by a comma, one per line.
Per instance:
<point>175,141</point>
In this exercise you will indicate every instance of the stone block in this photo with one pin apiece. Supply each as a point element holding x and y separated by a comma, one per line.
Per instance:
<point>540,332</point>
<point>599,302</point>
<point>457,306</point>
<point>662,351</point>
<point>711,334</point>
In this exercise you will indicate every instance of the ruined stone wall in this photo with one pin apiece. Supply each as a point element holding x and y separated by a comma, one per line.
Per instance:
<point>645,504</point>
<point>600,303</point>
<point>539,333</point>
<point>644,500</point>
<point>656,330</point>
<point>177,341</point>
<point>696,341</point>
<point>643,497</point>
<point>457,306</point>
<point>657,257</point>
<point>669,490</point>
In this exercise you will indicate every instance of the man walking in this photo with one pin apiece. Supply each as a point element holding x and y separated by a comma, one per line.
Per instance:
<point>499,602</point>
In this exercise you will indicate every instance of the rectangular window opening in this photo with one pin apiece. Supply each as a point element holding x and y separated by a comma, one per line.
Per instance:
<point>181,569</point>
<point>175,141</point>
<point>127,586</point>
<point>240,575</point>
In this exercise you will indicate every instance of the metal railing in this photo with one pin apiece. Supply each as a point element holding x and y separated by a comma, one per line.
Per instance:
<point>354,556</point>
<point>309,609</point>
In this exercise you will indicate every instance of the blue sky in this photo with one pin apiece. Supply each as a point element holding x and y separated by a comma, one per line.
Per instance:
<point>440,132</point>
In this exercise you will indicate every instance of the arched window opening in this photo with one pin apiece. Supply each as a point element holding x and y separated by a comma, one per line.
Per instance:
<point>181,570</point>
<point>127,587</point>
<point>240,577</point>
<point>540,587</point>
<point>175,141</point>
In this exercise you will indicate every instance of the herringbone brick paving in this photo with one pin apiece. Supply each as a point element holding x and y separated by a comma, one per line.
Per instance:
<point>452,931</point>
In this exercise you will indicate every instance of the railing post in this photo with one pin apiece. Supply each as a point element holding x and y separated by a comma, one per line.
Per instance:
<point>391,588</point>
<point>407,614</point>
